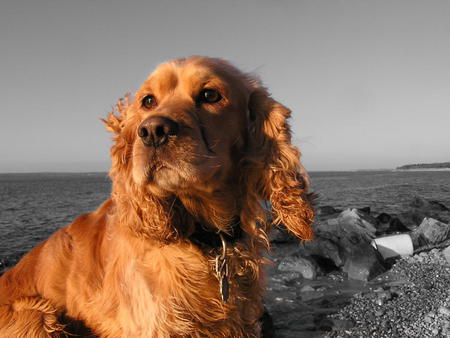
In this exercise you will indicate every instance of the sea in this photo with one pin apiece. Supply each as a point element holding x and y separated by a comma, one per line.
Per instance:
<point>34,205</point>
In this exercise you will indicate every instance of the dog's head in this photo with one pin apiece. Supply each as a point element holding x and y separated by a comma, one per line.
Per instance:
<point>200,130</point>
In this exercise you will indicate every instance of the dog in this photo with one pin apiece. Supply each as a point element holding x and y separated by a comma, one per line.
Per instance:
<point>177,250</point>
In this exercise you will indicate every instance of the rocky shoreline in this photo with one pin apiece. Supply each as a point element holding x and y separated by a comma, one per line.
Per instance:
<point>340,285</point>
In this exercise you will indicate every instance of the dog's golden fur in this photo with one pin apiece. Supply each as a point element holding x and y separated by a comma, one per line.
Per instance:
<point>131,268</point>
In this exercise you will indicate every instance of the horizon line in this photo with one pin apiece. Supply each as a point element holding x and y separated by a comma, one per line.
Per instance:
<point>106,171</point>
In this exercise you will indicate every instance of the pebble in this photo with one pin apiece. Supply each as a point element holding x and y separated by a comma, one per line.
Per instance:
<point>379,301</point>
<point>379,313</point>
<point>445,311</point>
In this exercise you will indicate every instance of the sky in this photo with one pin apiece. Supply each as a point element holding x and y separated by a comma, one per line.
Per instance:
<point>368,82</point>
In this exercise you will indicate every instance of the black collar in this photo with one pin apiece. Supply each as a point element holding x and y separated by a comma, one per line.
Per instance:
<point>207,239</point>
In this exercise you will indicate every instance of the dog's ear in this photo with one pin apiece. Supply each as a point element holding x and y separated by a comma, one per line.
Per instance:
<point>277,174</point>
<point>115,124</point>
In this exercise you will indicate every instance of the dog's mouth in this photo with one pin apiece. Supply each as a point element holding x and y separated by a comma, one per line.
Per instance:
<point>154,166</point>
<point>182,163</point>
<point>162,174</point>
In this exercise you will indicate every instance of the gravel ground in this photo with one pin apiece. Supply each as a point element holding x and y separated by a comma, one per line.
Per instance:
<point>416,303</point>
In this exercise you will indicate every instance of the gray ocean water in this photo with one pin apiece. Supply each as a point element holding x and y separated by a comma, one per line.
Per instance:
<point>33,206</point>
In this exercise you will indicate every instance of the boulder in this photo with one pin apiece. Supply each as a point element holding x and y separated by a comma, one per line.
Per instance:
<point>426,205</point>
<point>396,225</point>
<point>351,226</point>
<point>327,210</point>
<point>280,235</point>
<point>363,263</point>
<point>324,251</point>
<point>388,224</point>
<point>411,218</point>
<point>384,221</point>
<point>336,239</point>
<point>420,208</point>
<point>365,210</point>
<point>433,231</point>
<point>298,264</point>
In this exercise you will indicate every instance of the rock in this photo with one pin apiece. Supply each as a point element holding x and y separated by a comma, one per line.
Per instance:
<point>428,319</point>
<point>421,208</point>
<point>363,263</point>
<point>424,204</point>
<point>280,235</point>
<point>385,295</point>
<point>395,225</point>
<point>379,301</point>
<point>298,264</point>
<point>433,231</point>
<point>444,311</point>
<point>365,210</point>
<point>325,253</point>
<point>411,218</point>
<point>384,221</point>
<point>325,324</point>
<point>446,253</point>
<point>358,222</point>
<point>349,228</point>
<point>394,246</point>
<point>384,218</point>
<point>379,313</point>
<point>388,224</point>
<point>327,210</point>
<point>307,288</point>
<point>336,238</point>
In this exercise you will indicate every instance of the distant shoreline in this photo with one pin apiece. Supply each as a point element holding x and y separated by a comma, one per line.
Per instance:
<point>425,166</point>
<point>423,169</point>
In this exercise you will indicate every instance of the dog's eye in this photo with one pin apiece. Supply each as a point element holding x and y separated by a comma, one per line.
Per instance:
<point>209,96</point>
<point>148,101</point>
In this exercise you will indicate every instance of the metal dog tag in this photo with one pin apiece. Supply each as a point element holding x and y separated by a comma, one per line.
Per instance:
<point>224,288</point>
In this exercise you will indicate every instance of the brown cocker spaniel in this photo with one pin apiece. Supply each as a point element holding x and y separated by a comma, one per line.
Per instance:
<point>177,249</point>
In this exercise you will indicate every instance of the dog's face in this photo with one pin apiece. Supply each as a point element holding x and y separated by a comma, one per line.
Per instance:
<point>201,130</point>
<point>189,119</point>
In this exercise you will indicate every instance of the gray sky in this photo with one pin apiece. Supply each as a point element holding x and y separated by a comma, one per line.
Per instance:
<point>368,81</point>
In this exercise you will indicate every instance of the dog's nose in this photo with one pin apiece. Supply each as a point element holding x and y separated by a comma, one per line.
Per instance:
<point>155,130</point>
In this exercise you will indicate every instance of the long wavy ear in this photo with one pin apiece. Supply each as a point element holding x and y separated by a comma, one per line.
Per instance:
<point>277,174</point>
<point>115,124</point>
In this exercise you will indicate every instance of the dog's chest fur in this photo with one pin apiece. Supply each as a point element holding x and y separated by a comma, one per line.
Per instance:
<point>173,291</point>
